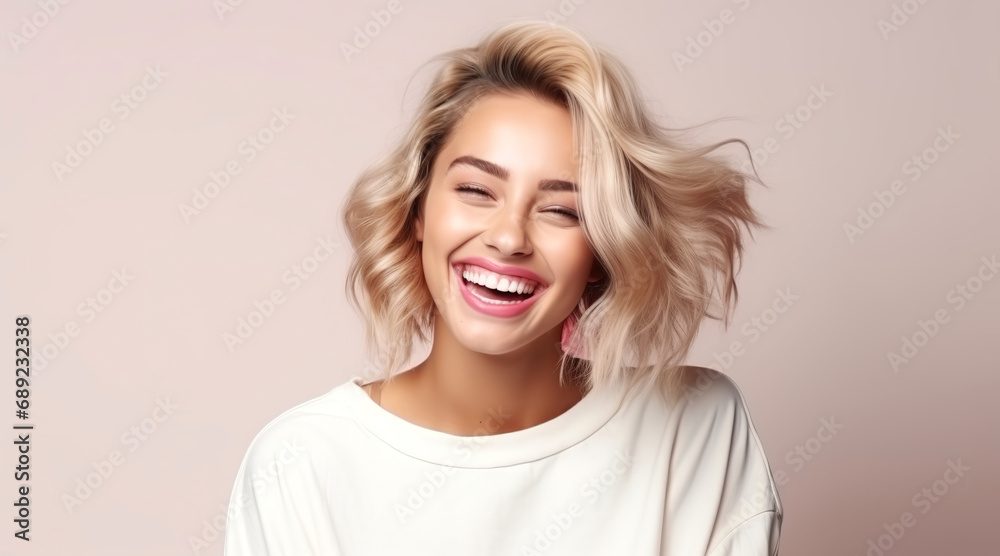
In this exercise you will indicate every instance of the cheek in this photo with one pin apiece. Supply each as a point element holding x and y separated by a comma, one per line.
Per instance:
<point>574,258</point>
<point>447,220</point>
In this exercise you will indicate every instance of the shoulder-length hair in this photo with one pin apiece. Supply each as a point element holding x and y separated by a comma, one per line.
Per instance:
<point>663,218</point>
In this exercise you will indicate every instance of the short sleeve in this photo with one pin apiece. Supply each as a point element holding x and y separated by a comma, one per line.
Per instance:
<point>757,536</point>
<point>278,505</point>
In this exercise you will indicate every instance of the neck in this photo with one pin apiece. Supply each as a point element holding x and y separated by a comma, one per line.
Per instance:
<point>467,393</point>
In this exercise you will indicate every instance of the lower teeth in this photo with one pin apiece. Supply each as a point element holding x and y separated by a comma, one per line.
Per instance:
<point>493,301</point>
<point>497,302</point>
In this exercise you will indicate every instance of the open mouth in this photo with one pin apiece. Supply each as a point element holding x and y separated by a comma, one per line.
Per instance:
<point>497,289</point>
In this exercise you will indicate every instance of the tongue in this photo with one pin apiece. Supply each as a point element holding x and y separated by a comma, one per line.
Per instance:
<point>494,294</point>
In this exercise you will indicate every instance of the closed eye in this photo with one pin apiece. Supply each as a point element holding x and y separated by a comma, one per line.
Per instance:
<point>566,213</point>
<point>472,189</point>
<point>476,190</point>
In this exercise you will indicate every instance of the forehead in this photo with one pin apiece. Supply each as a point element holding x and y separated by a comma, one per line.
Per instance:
<point>515,109</point>
<point>516,131</point>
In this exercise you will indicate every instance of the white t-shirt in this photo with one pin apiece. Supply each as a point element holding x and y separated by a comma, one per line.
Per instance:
<point>340,475</point>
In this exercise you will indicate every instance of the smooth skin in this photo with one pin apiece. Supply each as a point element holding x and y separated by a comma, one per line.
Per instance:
<point>481,366</point>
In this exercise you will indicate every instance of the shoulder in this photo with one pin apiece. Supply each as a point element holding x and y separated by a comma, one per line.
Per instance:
<point>711,408</point>
<point>698,398</point>
<point>717,450</point>
<point>285,474</point>
<point>307,431</point>
<point>704,388</point>
<point>697,394</point>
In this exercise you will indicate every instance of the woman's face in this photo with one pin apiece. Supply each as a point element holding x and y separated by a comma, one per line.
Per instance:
<point>501,207</point>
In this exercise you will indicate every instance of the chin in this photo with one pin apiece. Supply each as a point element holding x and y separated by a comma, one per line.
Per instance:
<point>488,347</point>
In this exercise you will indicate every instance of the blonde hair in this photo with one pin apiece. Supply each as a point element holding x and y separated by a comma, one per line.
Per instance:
<point>662,218</point>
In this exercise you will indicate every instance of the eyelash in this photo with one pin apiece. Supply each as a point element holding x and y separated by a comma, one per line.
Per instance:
<point>471,188</point>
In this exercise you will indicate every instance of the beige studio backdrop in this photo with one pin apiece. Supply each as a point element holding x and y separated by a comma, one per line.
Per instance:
<point>168,167</point>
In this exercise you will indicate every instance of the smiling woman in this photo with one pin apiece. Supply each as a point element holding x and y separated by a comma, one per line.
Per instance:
<point>495,206</point>
<point>558,250</point>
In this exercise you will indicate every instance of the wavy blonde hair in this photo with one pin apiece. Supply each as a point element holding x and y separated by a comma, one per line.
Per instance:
<point>663,218</point>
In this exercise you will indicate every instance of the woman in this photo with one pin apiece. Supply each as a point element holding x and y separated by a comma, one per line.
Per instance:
<point>559,251</point>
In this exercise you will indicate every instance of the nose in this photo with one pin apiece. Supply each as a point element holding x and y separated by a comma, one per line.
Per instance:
<point>506,232</point>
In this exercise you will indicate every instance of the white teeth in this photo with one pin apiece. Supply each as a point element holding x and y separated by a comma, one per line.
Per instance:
<point>494,301</point>
<point>497,281</point>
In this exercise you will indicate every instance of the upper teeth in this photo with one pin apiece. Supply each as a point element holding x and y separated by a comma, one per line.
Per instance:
<point>496,281</point>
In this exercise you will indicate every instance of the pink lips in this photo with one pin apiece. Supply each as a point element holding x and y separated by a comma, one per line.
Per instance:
<point>496,310</point>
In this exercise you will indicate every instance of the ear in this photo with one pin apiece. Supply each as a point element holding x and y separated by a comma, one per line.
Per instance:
<point>418,224</point>
<point>597,271</point>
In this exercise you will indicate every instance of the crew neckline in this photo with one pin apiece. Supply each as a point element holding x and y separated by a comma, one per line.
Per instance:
<point>571,427</point>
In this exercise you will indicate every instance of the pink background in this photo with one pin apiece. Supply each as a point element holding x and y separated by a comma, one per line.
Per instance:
<point>161,337</point>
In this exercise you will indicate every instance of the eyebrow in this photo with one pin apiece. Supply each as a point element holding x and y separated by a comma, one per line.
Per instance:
<point>503,173</point>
